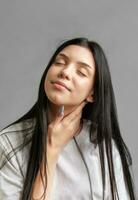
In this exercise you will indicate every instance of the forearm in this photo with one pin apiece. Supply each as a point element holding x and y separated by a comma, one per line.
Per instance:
<point>52,158</point>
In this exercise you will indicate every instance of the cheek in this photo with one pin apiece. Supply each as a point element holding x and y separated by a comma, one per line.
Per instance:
<point>84,86</point>
<point>47,81</point>
<point>81,90</point>
<point>49,76</point>
<point>50,72</point>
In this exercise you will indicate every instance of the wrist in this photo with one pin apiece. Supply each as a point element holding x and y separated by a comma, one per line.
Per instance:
<point>52,155</point>
<point>52,147</point>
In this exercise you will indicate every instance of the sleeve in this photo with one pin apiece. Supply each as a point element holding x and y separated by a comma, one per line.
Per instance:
<point>11,179</point>
<point>119,175</point>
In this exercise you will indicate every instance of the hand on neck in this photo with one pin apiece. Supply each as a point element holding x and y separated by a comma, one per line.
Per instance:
<point>53,111</point>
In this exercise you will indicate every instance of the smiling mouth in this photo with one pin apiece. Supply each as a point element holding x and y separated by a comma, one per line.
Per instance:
<point>60,86</point>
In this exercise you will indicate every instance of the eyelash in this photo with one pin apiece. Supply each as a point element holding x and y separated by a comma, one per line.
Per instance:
<point>58,63</point>
<point>82,73</point>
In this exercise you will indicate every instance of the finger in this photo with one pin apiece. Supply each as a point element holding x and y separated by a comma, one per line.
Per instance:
<point>71,115</point>
<point>60,113</point>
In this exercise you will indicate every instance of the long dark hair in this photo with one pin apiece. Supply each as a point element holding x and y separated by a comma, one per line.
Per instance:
<point>102,113</point>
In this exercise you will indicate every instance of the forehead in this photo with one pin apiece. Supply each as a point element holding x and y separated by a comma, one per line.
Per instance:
<point>78,53</point>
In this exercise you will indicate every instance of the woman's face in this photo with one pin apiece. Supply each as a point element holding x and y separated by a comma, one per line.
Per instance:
<point>74,66</point>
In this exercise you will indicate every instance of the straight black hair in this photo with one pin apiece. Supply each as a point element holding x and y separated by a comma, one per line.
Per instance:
<point>104,127</point>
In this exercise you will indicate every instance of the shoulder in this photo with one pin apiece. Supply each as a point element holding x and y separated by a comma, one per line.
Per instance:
<point>14,137</point>
<point>14,158</point>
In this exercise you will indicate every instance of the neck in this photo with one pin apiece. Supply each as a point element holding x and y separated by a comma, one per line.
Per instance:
<point>53,112</point>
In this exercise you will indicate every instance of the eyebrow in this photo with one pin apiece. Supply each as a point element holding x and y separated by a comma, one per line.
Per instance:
<point>82,63</point>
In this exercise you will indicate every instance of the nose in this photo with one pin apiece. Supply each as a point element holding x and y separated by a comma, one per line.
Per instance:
<point>66,72</point>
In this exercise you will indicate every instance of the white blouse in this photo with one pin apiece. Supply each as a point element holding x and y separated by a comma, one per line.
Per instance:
<point>71,180</point>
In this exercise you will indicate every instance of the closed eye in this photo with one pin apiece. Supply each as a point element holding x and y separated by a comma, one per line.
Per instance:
<point>59,63</point>
<point>82,73</point>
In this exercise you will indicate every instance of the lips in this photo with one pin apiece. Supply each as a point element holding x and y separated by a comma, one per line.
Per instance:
<point>61,83</point>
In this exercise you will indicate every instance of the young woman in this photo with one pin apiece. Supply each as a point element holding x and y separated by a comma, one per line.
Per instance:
<point>68,146</point>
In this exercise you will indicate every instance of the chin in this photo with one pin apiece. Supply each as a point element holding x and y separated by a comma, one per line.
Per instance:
<point>55,101</point>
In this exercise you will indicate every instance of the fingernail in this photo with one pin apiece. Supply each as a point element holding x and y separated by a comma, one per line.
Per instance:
<point>61,110</point>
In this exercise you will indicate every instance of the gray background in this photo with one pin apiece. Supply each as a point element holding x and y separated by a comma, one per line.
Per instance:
<point>31,30</point>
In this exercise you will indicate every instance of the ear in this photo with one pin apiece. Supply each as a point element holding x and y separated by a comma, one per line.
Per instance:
<point>90,97</point>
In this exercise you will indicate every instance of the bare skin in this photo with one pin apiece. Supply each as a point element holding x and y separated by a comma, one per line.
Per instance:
<point>67,125</point>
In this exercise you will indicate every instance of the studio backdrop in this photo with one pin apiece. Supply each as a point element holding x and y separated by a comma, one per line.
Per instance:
<point>30,30</point>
